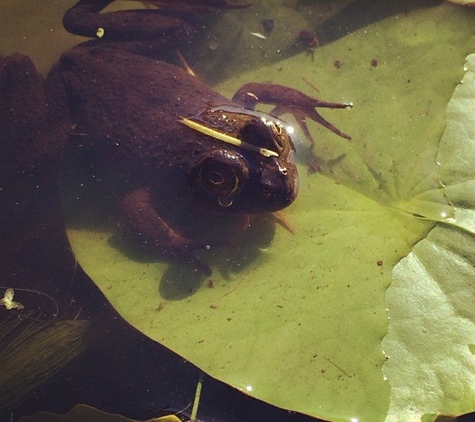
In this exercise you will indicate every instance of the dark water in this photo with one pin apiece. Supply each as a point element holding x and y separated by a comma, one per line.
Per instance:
<point>122,371</point>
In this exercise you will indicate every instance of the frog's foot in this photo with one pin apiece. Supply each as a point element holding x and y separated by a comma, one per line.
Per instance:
<point>289,100</point>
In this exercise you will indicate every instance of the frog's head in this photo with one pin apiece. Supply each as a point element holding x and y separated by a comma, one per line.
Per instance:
<point>252,170</point>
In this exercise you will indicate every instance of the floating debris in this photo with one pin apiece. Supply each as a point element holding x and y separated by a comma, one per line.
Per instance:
<point>8,301</point>
<point>259,35</point>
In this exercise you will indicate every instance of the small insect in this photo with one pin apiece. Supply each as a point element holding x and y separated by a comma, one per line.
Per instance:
<point>8,301</point>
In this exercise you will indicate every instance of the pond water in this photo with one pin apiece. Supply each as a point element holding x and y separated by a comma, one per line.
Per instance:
<point>304,310</point>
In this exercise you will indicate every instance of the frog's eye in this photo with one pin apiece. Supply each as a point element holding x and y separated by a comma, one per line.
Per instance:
<point>279,134</point>
<point>256,133</point>
<point>219,177</point>
<point>220,174</point>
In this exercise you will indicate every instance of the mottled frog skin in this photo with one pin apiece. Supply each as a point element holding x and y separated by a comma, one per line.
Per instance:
<point>176,142</point>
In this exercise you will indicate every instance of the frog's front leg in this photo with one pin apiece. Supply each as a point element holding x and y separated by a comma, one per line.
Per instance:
<point>142,218</point>
<point>289,100</point>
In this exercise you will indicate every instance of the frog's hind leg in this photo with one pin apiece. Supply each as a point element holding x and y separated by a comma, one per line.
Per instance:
<point>149,32</point>
<point>34,119</point>
<point>28,156</point>
<point>289,100</point>
<point>22,111</point>
<point>85,19</point>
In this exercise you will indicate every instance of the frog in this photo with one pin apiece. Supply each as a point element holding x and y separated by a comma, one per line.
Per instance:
<point>176,142</point>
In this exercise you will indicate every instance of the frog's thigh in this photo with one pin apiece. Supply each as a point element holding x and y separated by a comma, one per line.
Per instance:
<point>22,108</point>
<point>143,219</point>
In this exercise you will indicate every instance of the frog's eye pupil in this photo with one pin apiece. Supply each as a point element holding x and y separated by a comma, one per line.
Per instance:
<point>224,181</point>
<point>216,178</point>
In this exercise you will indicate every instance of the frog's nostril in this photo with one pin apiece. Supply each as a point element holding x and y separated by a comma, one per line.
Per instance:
<point>276,190</point>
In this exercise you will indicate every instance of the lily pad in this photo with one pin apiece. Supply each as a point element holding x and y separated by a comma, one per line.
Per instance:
<point>83,413</point>
<point>463,2</point>
<point>301,325</point>
<point>430,302</point>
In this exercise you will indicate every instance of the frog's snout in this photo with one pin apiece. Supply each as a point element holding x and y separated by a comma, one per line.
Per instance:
<point>279,187</point>
<point>226,182</point>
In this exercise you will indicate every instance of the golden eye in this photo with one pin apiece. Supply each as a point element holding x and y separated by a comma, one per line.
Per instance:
<point>278,134</point>
<point>219,176</point>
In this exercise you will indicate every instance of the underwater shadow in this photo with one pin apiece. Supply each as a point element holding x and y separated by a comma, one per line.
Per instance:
<point>188,272</point>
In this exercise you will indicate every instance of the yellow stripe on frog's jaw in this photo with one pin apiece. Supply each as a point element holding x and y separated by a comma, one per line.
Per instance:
<point>220,136</point>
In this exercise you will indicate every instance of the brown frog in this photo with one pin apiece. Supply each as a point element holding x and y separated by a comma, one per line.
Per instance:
<point>176,143</point>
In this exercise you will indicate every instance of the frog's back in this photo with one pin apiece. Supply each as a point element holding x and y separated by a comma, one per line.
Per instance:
<point>129,106</point>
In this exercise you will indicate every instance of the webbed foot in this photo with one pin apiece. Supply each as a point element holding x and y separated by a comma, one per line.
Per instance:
<point>289,100</point>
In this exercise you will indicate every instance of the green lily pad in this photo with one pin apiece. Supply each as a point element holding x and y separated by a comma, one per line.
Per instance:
<point>301,325</point>
<point>432,331</point>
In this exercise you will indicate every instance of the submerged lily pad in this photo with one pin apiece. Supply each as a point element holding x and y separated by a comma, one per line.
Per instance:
<point>301,325</point>
<point>463,2</point>
<point>84,413</point>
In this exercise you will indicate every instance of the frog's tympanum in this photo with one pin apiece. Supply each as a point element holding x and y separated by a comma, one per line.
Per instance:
<point>177,143</point>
